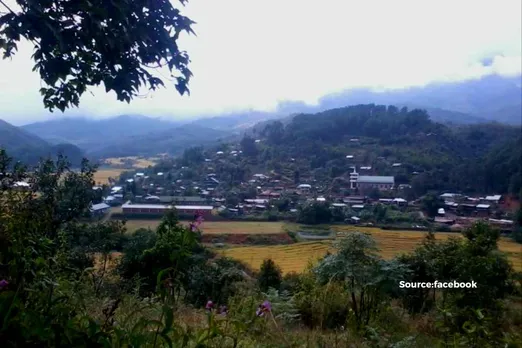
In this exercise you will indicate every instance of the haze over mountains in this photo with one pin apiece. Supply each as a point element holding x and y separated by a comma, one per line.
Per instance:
<point>489,99</point>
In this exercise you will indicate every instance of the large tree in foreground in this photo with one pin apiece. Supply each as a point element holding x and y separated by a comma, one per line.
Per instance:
<point>83,43</point>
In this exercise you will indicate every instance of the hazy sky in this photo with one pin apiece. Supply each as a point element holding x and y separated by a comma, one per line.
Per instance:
<point>252,54</point>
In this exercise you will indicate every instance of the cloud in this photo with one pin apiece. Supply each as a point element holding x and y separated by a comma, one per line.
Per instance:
<point>252,54</point>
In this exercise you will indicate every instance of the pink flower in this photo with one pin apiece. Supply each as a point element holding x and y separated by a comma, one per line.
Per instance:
<point>263,308</point>
<point>3,284</point>
<point>209,305</point>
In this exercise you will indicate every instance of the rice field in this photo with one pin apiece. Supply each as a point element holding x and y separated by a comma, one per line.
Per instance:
<point>102,175</point>
<point>137,162</point>
<point>218,227</point>
<point>296,257</point>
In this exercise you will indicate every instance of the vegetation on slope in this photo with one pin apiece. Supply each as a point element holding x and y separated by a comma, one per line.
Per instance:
<point>60,286</point>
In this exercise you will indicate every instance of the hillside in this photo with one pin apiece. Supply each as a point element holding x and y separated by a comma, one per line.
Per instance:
<point>89,133</point>
<point>29,148</point>
<point>404,143</point>
<point>172,141</point>
<point>493,98</point>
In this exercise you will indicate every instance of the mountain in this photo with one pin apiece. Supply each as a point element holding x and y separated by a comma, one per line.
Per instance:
<point>492,98</point>
<point>172,141</point>
<point>89,133</point>
<point>29,148</point>
<point>477,158</point>
<point>237,122</point>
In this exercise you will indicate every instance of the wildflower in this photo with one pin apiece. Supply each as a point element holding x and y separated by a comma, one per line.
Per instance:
<point>263,308</point>
<point>209,306</point>
<point>223,310</point>
<point>3,284</point>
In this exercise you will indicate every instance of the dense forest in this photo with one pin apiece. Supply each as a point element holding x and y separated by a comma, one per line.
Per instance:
<point>483,158</point>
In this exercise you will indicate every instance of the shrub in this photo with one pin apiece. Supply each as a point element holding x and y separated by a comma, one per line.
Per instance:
<point>269,275</point>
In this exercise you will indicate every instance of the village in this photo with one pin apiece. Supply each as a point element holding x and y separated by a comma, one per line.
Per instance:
<point>149,193</point>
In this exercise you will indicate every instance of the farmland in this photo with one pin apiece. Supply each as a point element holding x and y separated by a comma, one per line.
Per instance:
<point>295,258</point>
<point>135,162</point>
<point>102,175</point>
<point>218,227</point>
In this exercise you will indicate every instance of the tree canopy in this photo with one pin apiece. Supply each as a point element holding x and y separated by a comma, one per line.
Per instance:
<point>84,43</point>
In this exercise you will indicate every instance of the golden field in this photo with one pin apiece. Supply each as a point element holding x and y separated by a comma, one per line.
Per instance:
<point>296,257</point>
<point>102,175</point>
<point>218,227</point>
<point>137,162</point>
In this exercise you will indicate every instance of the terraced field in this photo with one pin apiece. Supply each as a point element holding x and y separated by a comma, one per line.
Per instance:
<point>296,257</point>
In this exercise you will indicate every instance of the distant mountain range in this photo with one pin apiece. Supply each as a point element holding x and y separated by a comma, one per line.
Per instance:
<point>489,99</point>
<point>125,135</point>
<point>29,148</point>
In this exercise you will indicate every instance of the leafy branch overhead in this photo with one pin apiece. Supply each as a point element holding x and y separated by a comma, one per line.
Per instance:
<point>82,43</point>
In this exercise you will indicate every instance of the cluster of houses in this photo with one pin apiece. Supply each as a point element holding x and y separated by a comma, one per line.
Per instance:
<point>157,192</point>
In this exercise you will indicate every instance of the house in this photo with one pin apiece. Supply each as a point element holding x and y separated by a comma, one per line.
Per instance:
<point>116,189</point>
<point>493,199</point>
<point>400,202</point>
<point>160,209</point>
<point>449,196</point>
<point>100,209</point>
<point>339,205</point>
<point>183,200</point>
<point>320,199</point>
<point>444,220</point>
<point>441,211</point>
<point>385,200</point>
<point>304,187</point>
<point>375,182</point>
<point>111,200</point>
<point>354,200</point>
<point>358,206</point>
<point>349,156</point>
<point>483,210</point>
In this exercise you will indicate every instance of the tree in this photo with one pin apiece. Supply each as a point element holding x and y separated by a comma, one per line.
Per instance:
<point>431,203</point>
<point>315,213</point>
<point>364,274</point>
<point>269,275</point>
<point>248,146</point>
<point>79,44</point>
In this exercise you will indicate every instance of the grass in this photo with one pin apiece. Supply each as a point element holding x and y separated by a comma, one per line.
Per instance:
<point>296,257</point>
<point>218,227</point>
<point>102,175</point>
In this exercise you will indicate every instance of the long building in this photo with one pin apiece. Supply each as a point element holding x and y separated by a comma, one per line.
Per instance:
<point>160,209</point>
<point>378,182</point>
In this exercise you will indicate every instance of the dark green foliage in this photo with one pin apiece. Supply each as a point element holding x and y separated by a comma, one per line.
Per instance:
<point>269,275</point>
<point>445,158</point>
<point>431,203</point>
<point>214,280</point>
<point>114,43</point>
<point>248,146</point>
<point>475,259</point>
<point>366,277</point>
<point>314,213</point>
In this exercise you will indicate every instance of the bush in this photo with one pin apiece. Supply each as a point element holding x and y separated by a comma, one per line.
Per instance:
<point>269,275</point>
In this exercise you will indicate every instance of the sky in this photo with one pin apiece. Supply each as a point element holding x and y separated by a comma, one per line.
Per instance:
<point>253,54</point>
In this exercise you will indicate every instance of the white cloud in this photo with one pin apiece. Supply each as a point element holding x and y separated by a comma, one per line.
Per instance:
<point>252,54</point>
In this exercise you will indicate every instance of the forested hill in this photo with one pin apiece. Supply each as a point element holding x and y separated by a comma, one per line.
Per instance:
<point>480,158</point>
<point>29,148</point>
